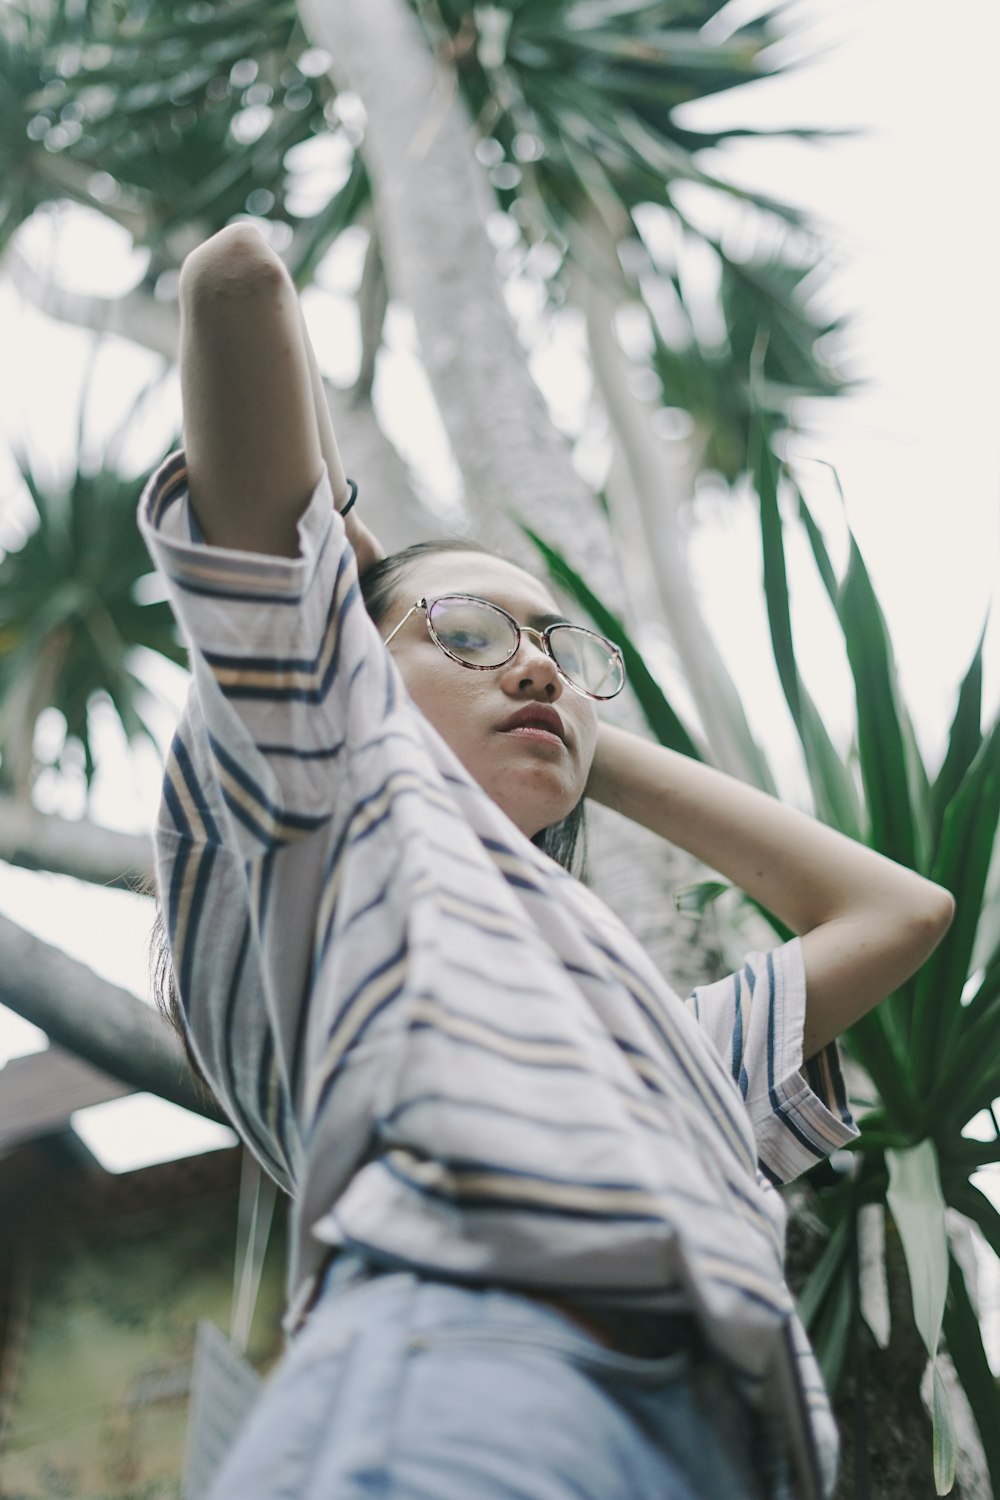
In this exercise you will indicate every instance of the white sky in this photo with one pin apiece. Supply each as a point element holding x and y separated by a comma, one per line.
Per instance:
<point>911,206</point>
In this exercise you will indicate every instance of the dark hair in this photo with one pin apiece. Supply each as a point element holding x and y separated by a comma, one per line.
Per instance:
<point>165,993</point>
<point>565,841</point>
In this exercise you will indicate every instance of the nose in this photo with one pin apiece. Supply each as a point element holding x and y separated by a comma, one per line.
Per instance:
<point>531,665</point>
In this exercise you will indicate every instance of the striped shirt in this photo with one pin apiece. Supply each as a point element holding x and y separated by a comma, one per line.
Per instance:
<point>446,1048</point>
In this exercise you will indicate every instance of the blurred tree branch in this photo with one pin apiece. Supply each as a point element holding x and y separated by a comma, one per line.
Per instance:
<point>102,856</point>
<point>106,1025</point>
<point>138,315</point>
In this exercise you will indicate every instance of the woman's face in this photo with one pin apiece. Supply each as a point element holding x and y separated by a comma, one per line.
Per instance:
<point>535,780</point>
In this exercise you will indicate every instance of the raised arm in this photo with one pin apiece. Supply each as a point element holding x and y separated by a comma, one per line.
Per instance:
<point>257,429</point>
<point>866,922</point>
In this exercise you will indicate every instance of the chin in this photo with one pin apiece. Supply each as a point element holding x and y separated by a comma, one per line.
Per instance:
<point>548,805</point>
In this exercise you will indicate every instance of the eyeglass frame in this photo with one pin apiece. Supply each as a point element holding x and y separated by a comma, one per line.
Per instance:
<point>542,636</point>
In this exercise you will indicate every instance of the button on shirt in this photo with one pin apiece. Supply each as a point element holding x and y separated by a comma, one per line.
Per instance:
<point>446,1048</point>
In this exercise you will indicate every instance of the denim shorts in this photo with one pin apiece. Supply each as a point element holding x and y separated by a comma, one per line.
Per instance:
<point>414,1389</point>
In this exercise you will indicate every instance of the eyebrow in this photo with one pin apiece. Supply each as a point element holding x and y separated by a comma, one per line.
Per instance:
<point>540,620</point>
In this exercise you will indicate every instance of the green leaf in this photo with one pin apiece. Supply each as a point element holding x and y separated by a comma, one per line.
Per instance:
<point>663,721</point>
<point>965,1345</point>
<point>918,1208</point>
<point>155,112</point>
<point>945,1436</point>
<point>969,1079</point>
<point>964,738</point>
<point>884,1057</point>
<point>821,556</point>
<point>824,1273</point>
<point>985,997</point>
<point>600,86</point>
<point>695,899</point>
<point>986,948</point>
<point>961,864</point>
<point>69,617</point>
<point>975,1205</point>
<point>831,1329</point>
<point>883,745</point>
<point>833,790</point>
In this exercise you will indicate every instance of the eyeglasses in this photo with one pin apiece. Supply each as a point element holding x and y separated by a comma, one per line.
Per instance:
<point>483,636</point>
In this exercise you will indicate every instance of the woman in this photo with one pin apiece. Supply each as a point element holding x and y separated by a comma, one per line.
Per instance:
<point>536,1247</point>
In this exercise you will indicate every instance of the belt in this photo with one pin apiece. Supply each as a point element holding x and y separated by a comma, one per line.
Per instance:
<point>647,1335</point>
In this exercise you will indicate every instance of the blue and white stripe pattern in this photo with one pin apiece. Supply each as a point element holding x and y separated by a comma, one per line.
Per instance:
<point>450,1051</point>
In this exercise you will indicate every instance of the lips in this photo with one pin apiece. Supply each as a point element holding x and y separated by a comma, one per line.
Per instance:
<point>536,716</point>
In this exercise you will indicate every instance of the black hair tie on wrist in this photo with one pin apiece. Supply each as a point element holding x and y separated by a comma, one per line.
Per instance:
<point>354,496</point>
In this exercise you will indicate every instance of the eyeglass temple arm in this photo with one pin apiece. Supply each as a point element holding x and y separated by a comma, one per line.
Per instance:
<point>419,604</point>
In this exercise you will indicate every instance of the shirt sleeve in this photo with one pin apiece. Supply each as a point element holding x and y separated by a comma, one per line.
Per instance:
<point>755,1018</point>
<point>290,675</point>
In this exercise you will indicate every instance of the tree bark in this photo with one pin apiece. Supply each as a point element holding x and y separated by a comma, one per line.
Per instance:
<point>98,1021</point>
<point>39,841</point>
<point>386,496</point>
<point>880,1404</point>
<point>430,205</point>
<point>655,527</point>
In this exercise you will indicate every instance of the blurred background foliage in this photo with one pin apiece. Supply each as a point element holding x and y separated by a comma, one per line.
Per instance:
<point>172,119</point>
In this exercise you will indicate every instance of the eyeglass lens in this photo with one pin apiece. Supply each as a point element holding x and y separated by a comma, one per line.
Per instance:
<point>482,636</point>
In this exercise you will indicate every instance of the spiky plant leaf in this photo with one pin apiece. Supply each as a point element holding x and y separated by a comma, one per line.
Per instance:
<point>664,722</point>
<point>962,863</point>
<point>965,736</point>
<point>833,790</point>
<point>70,618</point>
<point>161,118</point>
<point>964,1339</point>
<point>918,1208</point>
<point>582,100</point>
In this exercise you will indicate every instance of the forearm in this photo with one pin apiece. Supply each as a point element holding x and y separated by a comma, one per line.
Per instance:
<point>256,424</point>
<point>367,548</point>
<point>798,868</point>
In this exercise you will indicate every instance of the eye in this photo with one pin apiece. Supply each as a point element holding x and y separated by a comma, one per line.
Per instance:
<point>466,640</point>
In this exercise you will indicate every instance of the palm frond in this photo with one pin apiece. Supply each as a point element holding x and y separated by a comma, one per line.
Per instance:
<point>70,618</point>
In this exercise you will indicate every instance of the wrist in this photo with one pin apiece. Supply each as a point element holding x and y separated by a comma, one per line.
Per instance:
<point>344,499</point>
<point>366,547</point>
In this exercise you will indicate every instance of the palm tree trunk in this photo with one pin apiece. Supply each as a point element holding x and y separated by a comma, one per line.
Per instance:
<point>100,1022</point>
<point>39,841</point>
<point>430,207</point>
<point>655,518</point>
<point>393,509</point>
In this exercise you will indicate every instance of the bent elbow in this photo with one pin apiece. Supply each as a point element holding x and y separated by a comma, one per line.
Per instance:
<point>235,262</point>
<point>928,926</point>
<point>942,911</point>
